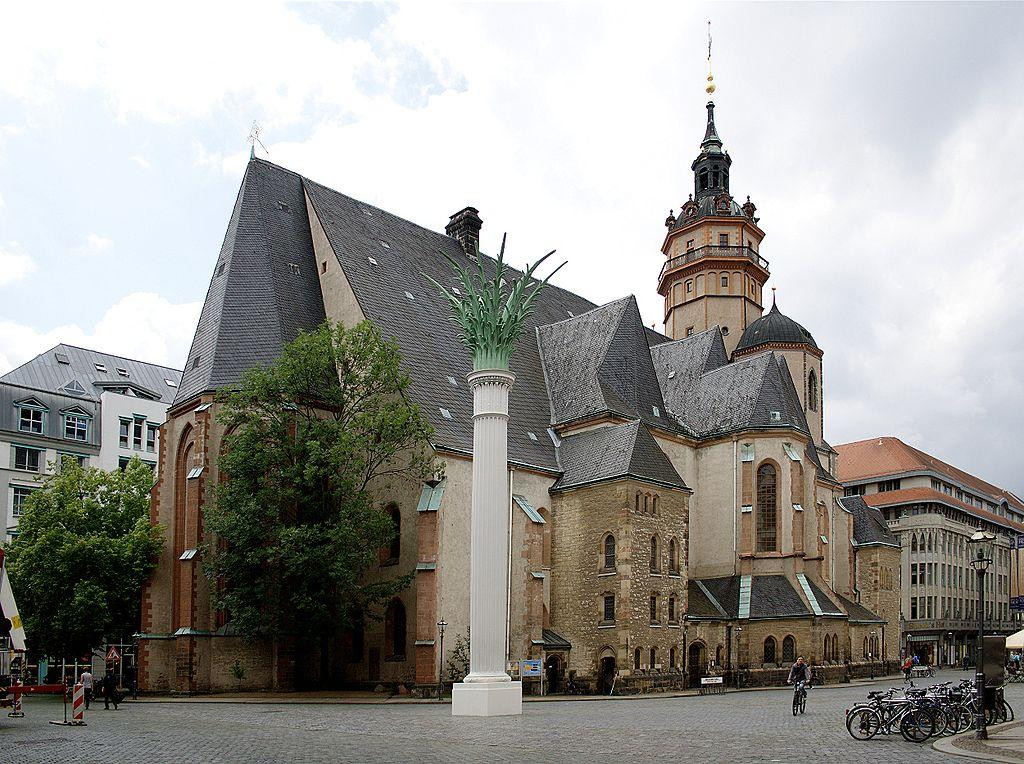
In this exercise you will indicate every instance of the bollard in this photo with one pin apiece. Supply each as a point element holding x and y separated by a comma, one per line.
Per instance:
<point>78,705</point>
<point>16,712</point>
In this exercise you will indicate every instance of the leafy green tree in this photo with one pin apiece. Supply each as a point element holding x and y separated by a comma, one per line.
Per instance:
<point>315,440</point>
<point>83,551</point>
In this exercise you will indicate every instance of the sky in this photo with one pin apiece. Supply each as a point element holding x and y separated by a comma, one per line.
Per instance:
<point>881,144</point>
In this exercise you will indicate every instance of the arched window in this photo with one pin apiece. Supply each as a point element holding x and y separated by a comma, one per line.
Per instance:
<point>654,505</point>
<point>866,647</point>
<point>609,552</point>
<point>672,608</point>
<point>394,630</point>
<point>769,650</point>
<point>718,655</point>
<point>647,498</point>
<point>673,556</point>
<point>812,390</point>
<point>789,649</point>
<point>654,554</point>
<point>827,653</point>
<point>654,656</point>
<point>913,543</point>
<point>390,552</point>
<point>654,608</point>
<point>835,647</point>
<point>767,532</point>
<point>672,657</point>
<point>636,658</point>
<point>637,501</point>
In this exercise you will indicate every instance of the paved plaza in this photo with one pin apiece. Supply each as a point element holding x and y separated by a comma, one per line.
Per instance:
<point>735,727</point>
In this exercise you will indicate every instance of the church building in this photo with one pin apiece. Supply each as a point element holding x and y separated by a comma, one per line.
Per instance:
<point>674,509</point>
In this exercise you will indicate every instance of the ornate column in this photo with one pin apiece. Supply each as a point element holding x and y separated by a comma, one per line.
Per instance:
<point>490,314</point>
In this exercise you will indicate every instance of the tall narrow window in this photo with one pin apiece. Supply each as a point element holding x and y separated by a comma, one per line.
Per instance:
<point>769,650</point>
<point>672,608</point>
<point>654,555</point>
<point>673,556</point>
<point>395,630</point>
<point>636,659</point>
<point>812,390</point>
<point>723,239</point>
<point>789,649</point>
<point>137,434</point>
<point>609,552</point>
<point>654,608</point>
<point>390,552</point>
<point>654,656</point>
<point>767,533</point>
<point>609,608</point>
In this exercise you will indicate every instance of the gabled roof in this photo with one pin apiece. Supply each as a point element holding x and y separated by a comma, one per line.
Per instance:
<point>430,349</point>
<point>600,362</point>
<point>612,452</point>
<point>888,456</point>
<point>770,597</point>
<point>869,527</point>
<point>264,288</point>
<point>857,612</point>
<point>59,366</point>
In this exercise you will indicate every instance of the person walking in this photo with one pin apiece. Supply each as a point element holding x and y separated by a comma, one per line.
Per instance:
<point>109,690</point>
<point>86,679</point>
<point>908,664</point>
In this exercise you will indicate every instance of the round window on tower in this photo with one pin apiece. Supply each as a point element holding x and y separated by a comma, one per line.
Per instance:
<point>725,331</point>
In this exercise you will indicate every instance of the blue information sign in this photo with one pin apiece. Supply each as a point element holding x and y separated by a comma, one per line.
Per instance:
<point>1019,542</point>
<point>1016,603</point>
<point>529,668</point>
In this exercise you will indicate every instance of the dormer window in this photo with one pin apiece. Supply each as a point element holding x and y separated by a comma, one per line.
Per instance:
<point>30,418</point>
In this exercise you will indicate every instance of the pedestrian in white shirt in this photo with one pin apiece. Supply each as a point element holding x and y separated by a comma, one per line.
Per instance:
<point>86,680</point>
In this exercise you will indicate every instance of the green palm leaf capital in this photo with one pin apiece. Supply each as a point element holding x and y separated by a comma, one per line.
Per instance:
<point>490,312</point>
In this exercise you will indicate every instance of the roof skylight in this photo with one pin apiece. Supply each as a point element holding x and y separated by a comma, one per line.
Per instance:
<point>446,413</point>
<point>372,260</point>
<point>532,435</point>
<point>385,245</point>
<point>453,382</point>
<point>171,383</point>
<point>123,372</point>
<point>62,358</point>
<point>101,368</point>
<point>409,295</point>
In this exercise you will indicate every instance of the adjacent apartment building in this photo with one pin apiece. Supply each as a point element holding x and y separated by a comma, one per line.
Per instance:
<point>70,402</point>
<point>934,508</point>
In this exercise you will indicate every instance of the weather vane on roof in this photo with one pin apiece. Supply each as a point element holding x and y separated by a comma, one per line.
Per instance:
<point>253,139</point>
<point>711,78</point>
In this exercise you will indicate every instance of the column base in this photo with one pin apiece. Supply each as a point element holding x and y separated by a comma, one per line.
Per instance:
<point>487,699</point>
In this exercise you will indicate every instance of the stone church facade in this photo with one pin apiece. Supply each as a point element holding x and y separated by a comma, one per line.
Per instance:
<point>674,508</point>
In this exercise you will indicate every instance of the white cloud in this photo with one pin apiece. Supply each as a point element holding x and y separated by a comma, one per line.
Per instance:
<point>141,161</point>
<point>97,243</point>
<point>2,202</point>
<point>14,263</point>
<point>141,325</point>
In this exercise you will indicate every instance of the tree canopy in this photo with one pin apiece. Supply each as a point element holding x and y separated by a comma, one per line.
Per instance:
<point>314,440</point>
<point>83,551</point>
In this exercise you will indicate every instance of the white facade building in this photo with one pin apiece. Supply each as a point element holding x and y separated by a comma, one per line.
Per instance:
<point>98,408</point>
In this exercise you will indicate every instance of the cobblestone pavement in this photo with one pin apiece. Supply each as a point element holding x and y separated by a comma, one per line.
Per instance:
<point>735,727</point>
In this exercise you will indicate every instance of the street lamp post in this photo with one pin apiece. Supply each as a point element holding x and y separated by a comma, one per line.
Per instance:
<point>736,660</point>
<point>440,659</point>
<point>871,653</point>
<point>981,558</point>
<point>949,648</point>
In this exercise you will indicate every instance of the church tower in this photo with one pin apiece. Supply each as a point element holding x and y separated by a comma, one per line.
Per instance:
<point>713,274</point>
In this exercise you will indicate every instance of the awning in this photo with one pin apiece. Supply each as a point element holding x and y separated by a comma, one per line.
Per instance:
<point>555,641</point>
<point>1015,641</point>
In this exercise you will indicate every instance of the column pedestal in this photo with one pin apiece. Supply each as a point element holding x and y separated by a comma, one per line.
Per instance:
<point>487,690</point>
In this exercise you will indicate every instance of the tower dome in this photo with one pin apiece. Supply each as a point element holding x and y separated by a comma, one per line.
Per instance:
<point>774,327</point>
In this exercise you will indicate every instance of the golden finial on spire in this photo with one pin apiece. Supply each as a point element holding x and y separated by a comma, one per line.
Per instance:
<point>711,78</point>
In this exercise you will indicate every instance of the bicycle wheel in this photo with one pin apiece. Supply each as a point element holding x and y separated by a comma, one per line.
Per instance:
<point>863,723</point>
<point>917,725</point>
<point>964,719</point>
<point>803,702</point>
<point>796,703</point>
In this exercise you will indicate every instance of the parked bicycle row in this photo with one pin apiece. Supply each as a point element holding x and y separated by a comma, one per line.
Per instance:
<point>920,713</point>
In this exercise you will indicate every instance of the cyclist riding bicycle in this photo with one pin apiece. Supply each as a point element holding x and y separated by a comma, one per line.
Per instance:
<point>800,678</point>
<point>799,672</point>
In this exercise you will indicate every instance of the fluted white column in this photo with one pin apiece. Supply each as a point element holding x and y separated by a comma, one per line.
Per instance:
<point>488,566</point>
<point>487,690</point>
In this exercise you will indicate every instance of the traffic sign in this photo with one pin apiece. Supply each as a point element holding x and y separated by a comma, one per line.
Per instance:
<point>113,655</point>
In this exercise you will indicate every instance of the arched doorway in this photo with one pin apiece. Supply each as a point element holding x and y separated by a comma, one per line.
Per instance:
<point>606,672</point>
<point>696,658</point>
<point>553,674</point>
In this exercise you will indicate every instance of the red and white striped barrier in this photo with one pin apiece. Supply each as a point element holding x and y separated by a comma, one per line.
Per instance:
<point>78,705</point>
<point>16,692</point>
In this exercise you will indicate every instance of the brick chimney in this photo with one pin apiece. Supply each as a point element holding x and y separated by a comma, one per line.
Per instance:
<point>465,226</point>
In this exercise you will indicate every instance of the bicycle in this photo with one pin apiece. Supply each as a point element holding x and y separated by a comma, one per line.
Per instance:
<point>799,697</point>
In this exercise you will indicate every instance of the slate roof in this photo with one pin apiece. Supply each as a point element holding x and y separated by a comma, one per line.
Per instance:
<point>770,597</point>
<point>825,601</point>
<point>698,604</point>
<point>264,288</point>
<point>774,327</point>
<point>597,362</point>
<point>430,348</point>
<point>858,613</point>
<point>869,527</point>
<point>46,373</point>
<point>612,452</point>
<point>573,359</point>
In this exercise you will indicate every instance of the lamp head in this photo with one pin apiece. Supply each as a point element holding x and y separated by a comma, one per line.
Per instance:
<point>981,549</point>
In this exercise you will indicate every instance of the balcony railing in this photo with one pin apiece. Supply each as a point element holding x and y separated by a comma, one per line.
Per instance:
<point>700,253</point>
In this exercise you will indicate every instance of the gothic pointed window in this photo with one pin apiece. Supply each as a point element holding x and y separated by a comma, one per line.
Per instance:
<point>609,552</point>
<point>767,531</point>
<point>789,649</point>
<point>812,391</point>
<point>769,650</point>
